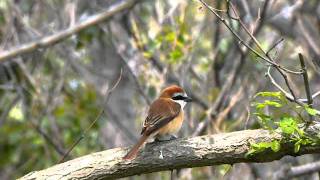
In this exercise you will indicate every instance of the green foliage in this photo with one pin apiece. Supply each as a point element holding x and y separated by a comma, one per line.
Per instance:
<point>268,103</point>
<point>172,43</point>
<point>262,146</point>
<point>265,120</point>
<point>311,111</point>
<point>286,124</point>
<point>277,95</point>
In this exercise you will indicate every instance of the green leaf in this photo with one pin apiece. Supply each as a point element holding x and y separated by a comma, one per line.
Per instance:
<point>270,94</point>
<point>305,141</point>
<point>297,146</point>
<point>275,146</point>
<point>175,55</point>
<point>262,146</point>
<point>259,147</point>
<point>300,132</point>
<point>265,120</point>
<point>250,153</point>
<point>170,36</point>
<point>311,111</point>
<point>288,125</point>
<point>268,103</point>
<point>263,116</point>
<point>16,113</point>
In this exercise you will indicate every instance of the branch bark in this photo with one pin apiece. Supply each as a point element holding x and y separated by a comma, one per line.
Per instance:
<point>63,34</point>
<point>225,148</point>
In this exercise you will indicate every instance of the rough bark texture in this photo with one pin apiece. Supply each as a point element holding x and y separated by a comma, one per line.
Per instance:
<point>226,148</point>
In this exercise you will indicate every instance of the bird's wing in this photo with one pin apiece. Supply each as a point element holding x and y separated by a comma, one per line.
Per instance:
<point>161,112</point>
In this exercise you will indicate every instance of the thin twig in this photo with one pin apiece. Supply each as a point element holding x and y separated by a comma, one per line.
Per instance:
<point>306,80</point>
<point>124,129</point>
<point>80,138</point>
<point>244,53</point>
<point>308,37</point>
<point>278,67</point>
<point>245,44</point>
<point>237,18</point>
<point>47,138</point>
<point>287,83</point>
<point>93,122</point>
<point>291,172</point>
<point>306,83</point>
<point>64,34</point>
<point>120,52</point>
<point>275,45</point>
<point>315,94</point>
<point>288,95</point>
<point>135,79</point>
<point>214,108</point>
<point>233,101</point>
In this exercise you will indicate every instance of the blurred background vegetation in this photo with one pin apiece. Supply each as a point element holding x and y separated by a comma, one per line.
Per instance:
<point>50,96</point>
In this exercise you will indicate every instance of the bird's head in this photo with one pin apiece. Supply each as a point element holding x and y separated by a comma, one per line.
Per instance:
<point>175,93</point>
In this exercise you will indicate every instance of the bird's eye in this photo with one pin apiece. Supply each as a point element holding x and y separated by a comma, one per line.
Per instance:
<point>178,97</point>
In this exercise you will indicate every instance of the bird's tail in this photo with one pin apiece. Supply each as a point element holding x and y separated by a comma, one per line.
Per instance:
<point>133,152</point>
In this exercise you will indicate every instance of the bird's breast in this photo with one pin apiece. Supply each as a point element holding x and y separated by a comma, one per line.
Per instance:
<point>173,126</point>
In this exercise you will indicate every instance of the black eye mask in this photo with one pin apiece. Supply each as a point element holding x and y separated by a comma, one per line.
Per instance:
<point>179,97</point>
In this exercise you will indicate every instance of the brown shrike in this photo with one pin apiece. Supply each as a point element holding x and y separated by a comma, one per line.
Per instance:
<point>165,117</point>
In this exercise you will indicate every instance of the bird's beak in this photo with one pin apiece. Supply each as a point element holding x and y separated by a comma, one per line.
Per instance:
<point>187,99</point>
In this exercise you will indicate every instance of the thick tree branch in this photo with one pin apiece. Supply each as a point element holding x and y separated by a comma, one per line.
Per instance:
<point>63,34</point>
<point>226,148</point>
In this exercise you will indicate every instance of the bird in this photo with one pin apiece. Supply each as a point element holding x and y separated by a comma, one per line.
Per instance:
<point>164,119</point>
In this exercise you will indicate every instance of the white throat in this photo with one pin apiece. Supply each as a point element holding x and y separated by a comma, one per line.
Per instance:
<point>181,102</point>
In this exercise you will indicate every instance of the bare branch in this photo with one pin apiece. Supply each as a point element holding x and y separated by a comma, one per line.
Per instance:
<point>306,80</point>
<point>63,34</point>
<point>315,94</point>
<point>277,66</point>
<point>275,45</point>
<point>287,94</point>
<point>291,172</point>
<point>265,56</point>
<point>306,34</point>
<point>267,59</point>
<point>306,83</point>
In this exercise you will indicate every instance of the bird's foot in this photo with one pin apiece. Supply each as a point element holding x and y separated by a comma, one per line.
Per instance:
<point>165,138</point>
<point>173,137</point>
